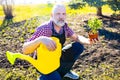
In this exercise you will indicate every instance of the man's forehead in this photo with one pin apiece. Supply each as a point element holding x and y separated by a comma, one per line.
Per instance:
<point>58,8</point>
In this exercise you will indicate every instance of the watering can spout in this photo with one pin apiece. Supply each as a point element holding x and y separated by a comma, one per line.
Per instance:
<point>11,58</point>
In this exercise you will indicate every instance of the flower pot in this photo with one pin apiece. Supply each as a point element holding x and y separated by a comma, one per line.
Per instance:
<point>93,36</point>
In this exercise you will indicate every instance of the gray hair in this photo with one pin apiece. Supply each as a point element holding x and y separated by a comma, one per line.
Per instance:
<point>57,6</point>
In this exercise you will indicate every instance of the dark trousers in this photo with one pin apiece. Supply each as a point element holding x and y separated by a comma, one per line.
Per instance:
<point>70,54</point>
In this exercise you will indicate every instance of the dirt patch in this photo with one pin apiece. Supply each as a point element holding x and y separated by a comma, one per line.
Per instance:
<point>107,50</point>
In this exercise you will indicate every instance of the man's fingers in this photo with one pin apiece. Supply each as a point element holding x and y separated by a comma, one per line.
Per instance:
<point>53,45</point>
<point>95,40</point>
<point>50,44</point>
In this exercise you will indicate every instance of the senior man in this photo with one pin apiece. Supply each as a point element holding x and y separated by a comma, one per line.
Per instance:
<point>57,27</point>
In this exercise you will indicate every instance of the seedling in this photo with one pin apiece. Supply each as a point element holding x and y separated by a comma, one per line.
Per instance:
<point>94,24</point>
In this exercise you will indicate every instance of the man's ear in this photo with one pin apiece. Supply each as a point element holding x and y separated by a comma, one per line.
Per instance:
<point>51,15</point>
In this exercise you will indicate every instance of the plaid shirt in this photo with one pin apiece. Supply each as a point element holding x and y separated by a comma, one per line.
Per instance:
<point>46,30</point>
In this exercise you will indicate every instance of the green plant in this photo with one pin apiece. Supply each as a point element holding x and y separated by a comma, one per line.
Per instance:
<point>94,24</point>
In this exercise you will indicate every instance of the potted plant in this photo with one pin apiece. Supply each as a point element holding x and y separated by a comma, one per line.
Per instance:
<point>94,24</point>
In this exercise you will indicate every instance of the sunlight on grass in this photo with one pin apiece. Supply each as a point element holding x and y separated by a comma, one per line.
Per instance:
<point>1,22</point>
<point>1,14</point>
<point>87,9</point>
<point>23,12</point>
<point>107,10</point>
<point>1,11</point>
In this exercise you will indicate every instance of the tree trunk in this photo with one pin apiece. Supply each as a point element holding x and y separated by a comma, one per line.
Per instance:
<point>8,9</point>
<point>99,11</point>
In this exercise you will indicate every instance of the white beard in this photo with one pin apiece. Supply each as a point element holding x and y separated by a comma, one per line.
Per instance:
<point>59,23</point>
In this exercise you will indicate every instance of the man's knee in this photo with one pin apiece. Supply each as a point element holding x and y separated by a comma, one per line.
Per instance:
<point>77,47</point>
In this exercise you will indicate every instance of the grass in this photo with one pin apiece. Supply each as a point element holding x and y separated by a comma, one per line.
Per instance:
<point>101,72</point>
<point>28,11</point>
<point>23,12</point>
<point>18,74</point>
<point>87,9</point>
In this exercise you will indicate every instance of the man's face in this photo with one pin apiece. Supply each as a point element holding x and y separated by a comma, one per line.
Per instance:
<point>59,16</point>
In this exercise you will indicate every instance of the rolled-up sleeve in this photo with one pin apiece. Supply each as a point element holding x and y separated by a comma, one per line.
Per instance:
<point>40,31</point>
<point>36,34</point>
<point>69,31</point>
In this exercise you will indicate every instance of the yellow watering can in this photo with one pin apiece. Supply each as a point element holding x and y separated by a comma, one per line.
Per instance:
<point>46,62</point>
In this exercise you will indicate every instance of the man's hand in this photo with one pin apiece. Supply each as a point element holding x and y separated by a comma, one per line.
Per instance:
<point>94,40</point>
<point>50,44</point>
<point>86,40</point>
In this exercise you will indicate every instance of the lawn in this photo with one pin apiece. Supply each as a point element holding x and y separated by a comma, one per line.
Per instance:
<point>23,12</point>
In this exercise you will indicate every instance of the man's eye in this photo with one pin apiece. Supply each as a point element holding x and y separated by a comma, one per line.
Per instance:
<point>64,13</point>
<point>58,13</point>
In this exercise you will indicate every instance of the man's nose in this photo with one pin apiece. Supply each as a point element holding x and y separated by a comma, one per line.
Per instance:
<point>62,16</point>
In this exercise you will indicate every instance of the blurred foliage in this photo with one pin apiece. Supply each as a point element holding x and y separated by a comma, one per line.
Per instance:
<point>75,4</point>
<point>82,3</point>
<point>96,3</point>
<point>114,5</point>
